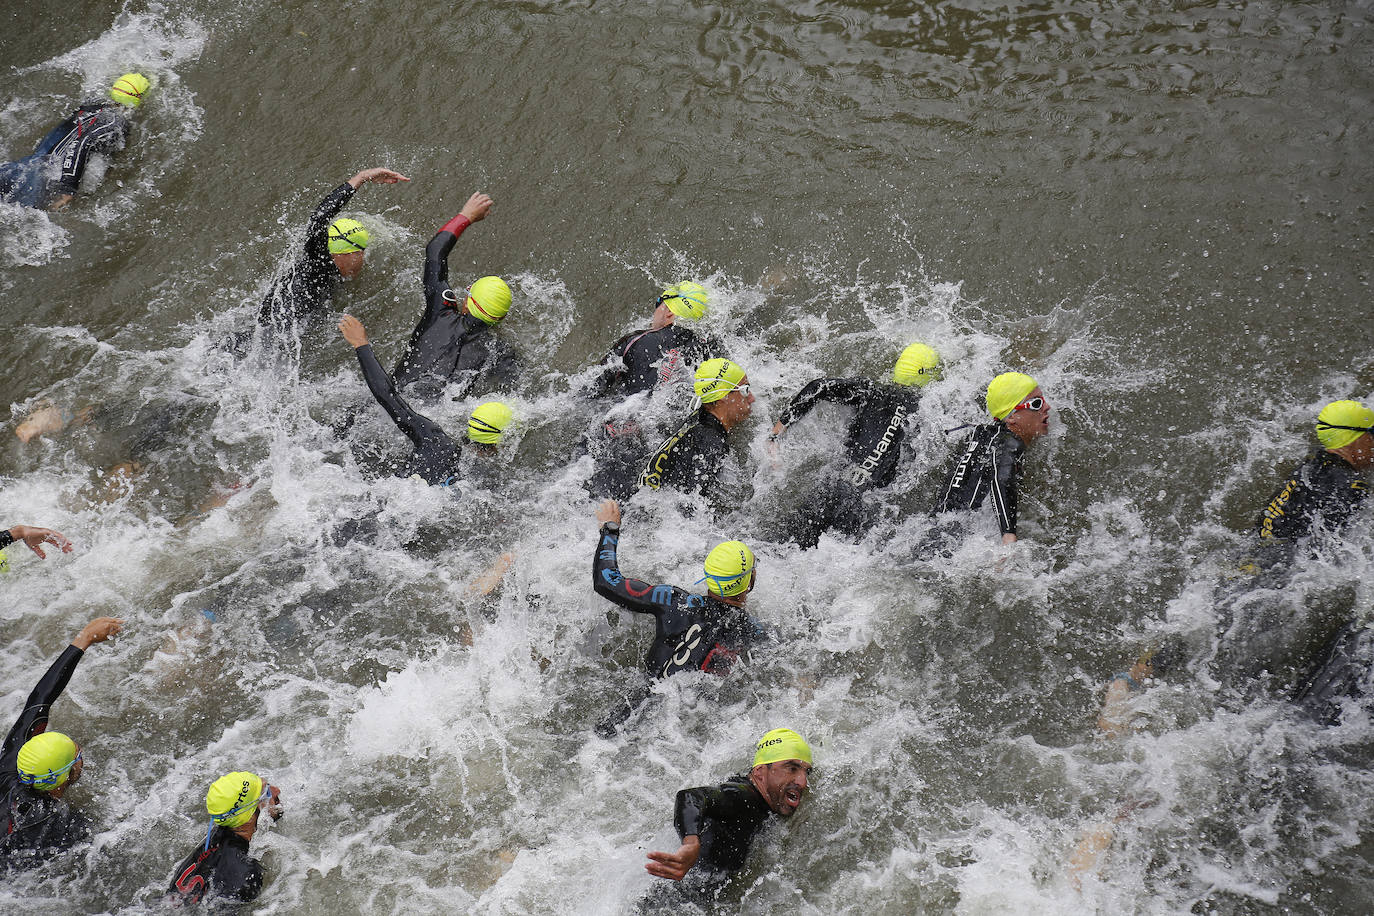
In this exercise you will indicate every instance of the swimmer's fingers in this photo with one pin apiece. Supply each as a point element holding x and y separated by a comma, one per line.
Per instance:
<point>477,206</point>
<point>608,511</point>
<point>353,331</point>
<point>98,630</point>
<point>35,538</point>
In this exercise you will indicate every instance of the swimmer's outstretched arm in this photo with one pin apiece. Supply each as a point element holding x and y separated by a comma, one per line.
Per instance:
<point>376,176</point>
<point>675,865</point>
<point>35,538</point>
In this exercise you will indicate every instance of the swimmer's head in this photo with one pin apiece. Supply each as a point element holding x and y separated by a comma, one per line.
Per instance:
<point>233,799</point>
<point>781,744</point>
<point>488,299</point>
<point>1006,391</point>
<point>685,300</point>
<point>129,89</point>
<point>919,365</point>
<point>1342,422</point>
<point>347,235</point>
<point>488,422</point>
<point>48,761</point>
<point>716,378</point>
<point>729,569</point>
<point>348,240</point>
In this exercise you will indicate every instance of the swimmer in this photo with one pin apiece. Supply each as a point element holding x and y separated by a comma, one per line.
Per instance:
<point>221,867</point>
<point>1155,662</point>
<point>696,457</point>
<point>455,338</point>
<point>691,632</point>
<point>884,413</point>
<point>665,352</point>
<point>333,250</point>
<point>1330,484</point>
<point>38,766</point>
<point>1343,672</point>
<point>50,176</point>
<point>990,458</point>
<point>718,824</point>
<point>435,459</point>
<point>34,539</point>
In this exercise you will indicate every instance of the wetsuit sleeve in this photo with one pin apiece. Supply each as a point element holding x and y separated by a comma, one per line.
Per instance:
<point>34,718</point>
<point>1006,468</point>
<point>6,539</point>
<point>101,132</point>
<point>326,211</point>
<point>420,429</point>
<point>436,261</point>
<point>607,581</point>
<point>851,391</point>
<point>695,807</point>
<point>54,136</point>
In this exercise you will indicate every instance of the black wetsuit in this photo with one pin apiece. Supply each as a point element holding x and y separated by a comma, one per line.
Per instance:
<point>222,870</point>
<point>643,360</point>
<point>691,632</point>
<point>55,167</point>
<point>307,287</point>
<point>33,824</point>
<point>449,345</point>
<point>695,459</point>
<point>726,818</point>
<point>873,445</point>
<point>435,459</point>
<point>6,539</point>
<point>1324,486</point>
<point>989,462</point>
<point>1342,672</point>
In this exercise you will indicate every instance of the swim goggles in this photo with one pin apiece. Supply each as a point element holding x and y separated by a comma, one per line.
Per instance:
<point>1322,424</point>
<point>1030,404</point>
<point>50,779</point>
<point>334,234</point>
<point>217,819</point>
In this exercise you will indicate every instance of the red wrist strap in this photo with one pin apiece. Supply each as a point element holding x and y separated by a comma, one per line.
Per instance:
<point>456,225</point>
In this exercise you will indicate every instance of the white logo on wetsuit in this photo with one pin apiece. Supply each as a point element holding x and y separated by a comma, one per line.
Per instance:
<point>864,472</point>
<point>683,651</point>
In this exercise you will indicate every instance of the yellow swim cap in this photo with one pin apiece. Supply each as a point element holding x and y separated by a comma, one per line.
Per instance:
<point>729,569</point>
<point>1342,422</point>
<point>45,761</point>
<point>347,235</point>
<point>488,422</point>
<point>782,744</point>
<point>489,299</point>
<point>918,365</point>
<point>686,300</point>
<point>129,89</point>
<point>716,378</point>
<point>1006,391</point>
<point>233,799</point>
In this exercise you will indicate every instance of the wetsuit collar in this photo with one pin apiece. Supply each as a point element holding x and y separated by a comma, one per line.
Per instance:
<point>706,418</point>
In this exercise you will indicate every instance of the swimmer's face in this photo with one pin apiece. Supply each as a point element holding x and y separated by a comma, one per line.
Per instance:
<point>1361,452</point>
<point>738,404</point>
<point>350,263</point>
<point>663,316</point>
<point>1030,419</point>
<point>783,785</point>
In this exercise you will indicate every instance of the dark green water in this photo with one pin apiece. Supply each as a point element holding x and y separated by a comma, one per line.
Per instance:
<point>1160,210</point>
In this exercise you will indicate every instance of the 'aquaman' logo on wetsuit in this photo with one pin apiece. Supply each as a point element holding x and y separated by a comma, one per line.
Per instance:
<point>864,472</point>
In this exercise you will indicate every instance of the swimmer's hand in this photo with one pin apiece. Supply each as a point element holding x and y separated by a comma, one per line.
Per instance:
<point>353,331</point>
<point>378,176</point>
<point>675,865</point>
<point>477,206</point>
<point>35,538</point>
<point>608,513</point>
<point>98,630</point>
